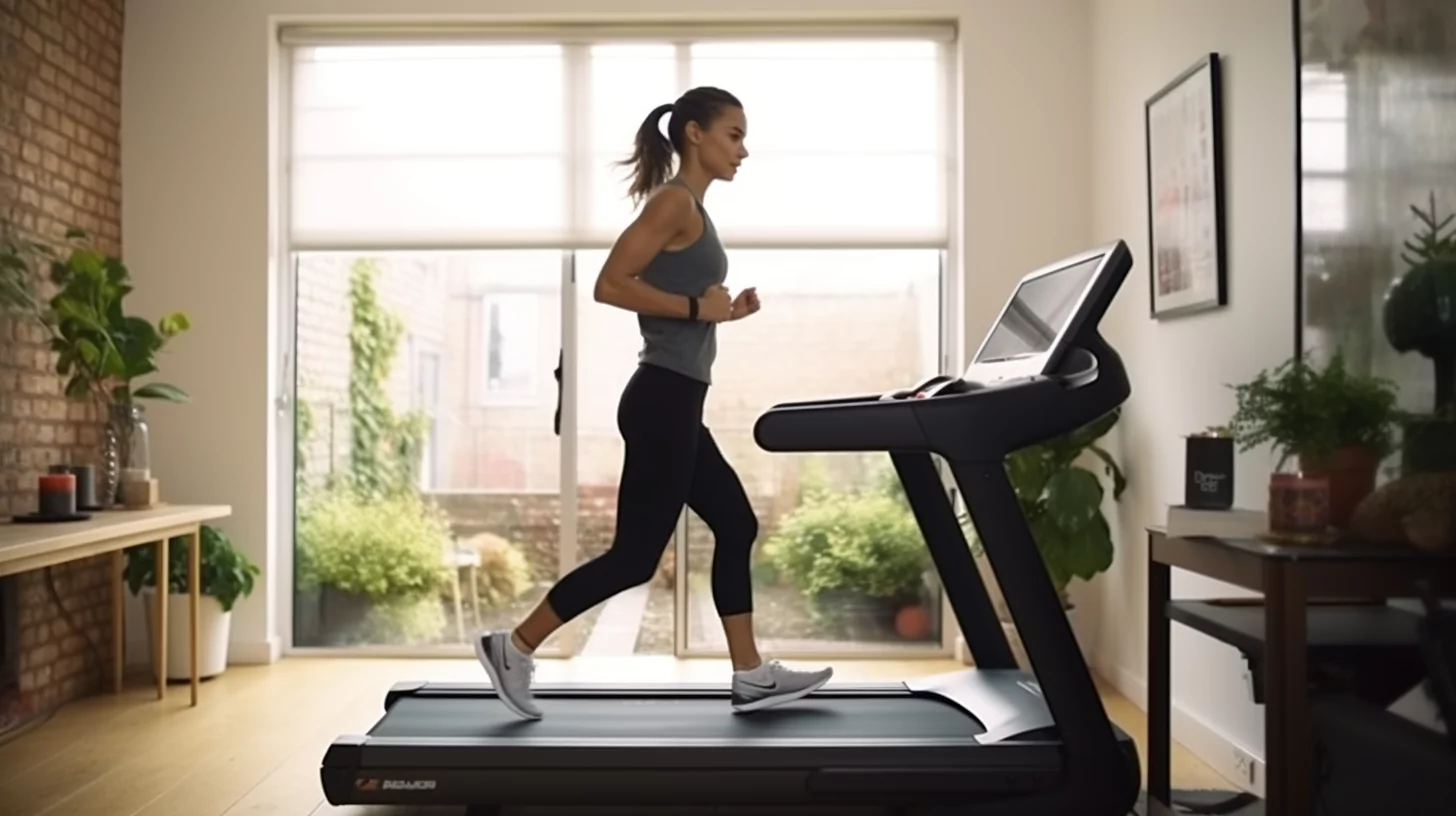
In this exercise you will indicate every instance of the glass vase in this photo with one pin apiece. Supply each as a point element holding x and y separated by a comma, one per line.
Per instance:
<point>128,449</point>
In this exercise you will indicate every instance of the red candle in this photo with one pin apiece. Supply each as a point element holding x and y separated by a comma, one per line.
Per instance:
<point>57,482</point>
<point>57,494</point>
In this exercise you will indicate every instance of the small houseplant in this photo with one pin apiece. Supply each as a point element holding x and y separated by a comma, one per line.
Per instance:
<point>101,350</point>
<point>1333,421</point>
<point>1420,315</point>
<point>226,576</point>
<point>1061,500</point>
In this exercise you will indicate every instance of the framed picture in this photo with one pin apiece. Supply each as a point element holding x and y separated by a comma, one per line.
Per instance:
<point>1184,128</point>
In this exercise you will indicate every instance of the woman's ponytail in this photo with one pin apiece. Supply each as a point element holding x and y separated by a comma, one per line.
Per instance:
<point>651,159</point>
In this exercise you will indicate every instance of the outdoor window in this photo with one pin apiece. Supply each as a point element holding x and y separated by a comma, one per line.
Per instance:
<point>464,192</point>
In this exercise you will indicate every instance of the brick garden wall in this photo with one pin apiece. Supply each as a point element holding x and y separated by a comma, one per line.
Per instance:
<point>530,521</point>
<point>60,94</point>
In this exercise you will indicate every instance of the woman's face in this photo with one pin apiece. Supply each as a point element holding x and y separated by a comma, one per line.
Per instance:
<point>720,147</point>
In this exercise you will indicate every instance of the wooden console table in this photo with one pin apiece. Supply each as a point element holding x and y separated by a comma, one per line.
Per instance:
<point>25,547</point>
<point>1288,576</point>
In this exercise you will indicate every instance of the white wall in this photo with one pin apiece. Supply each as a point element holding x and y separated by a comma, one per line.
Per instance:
<point>196,146</point>
<point>1179,367</point>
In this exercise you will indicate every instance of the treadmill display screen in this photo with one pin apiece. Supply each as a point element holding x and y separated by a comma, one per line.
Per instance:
<point>1039,310</point>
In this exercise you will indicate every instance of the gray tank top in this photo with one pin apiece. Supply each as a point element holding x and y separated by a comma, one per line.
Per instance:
<point>685,346</point>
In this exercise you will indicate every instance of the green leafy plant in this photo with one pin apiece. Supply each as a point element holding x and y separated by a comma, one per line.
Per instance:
<point>1420,306</point>
<point>866,543</point>
<point>382,548</point>
<point>1310,412</point>
<point>226,573</point>
<point>1062,501</point>
<point>386,448</point>
<point>17,278</point>
<point>102,351</point>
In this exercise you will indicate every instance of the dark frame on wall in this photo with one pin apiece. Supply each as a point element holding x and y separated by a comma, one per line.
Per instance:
<point>1183,129</point>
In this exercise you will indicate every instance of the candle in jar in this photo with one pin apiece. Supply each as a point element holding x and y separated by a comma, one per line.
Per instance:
<point>136,474</point>
<point>57,494</point>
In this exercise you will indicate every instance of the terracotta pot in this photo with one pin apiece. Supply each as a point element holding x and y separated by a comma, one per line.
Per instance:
<point>913,622</point>
<point>1351,472</point>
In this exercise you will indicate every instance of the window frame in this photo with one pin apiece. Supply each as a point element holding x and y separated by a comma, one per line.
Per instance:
<point>285,248</point>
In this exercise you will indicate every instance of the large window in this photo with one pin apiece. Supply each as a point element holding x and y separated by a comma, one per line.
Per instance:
<point>1324,140</point>
<point>464,195</point>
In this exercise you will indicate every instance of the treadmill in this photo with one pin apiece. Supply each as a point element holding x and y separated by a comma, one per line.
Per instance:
<point>985,740</point>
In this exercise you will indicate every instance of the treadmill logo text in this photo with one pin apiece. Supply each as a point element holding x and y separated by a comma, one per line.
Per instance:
<point>395,784</point>
<point>409,784</point>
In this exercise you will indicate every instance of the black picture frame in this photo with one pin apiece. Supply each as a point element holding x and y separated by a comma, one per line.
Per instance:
<point>1183,132</point>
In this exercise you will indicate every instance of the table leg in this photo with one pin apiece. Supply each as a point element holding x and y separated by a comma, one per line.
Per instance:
<point>1286,701</point>
<point>118,619</point>
<point>194,599</point>
<point>1159,687</point>
<point>159,638</point>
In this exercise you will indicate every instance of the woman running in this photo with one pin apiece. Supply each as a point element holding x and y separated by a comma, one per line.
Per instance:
<point>668,267</point>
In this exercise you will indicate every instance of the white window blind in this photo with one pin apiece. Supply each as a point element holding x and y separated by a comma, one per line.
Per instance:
<point>512,143</point>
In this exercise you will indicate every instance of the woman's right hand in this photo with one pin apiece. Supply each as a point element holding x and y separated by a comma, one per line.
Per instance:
<point>715,305</point>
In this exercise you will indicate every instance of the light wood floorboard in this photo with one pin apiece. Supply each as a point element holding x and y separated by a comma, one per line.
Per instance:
<point>253,746</point>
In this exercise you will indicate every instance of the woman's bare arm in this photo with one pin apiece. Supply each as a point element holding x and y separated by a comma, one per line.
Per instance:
<point>663,217</point>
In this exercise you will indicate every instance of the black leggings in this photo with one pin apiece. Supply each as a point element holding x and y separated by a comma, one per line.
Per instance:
<point>671,460</point>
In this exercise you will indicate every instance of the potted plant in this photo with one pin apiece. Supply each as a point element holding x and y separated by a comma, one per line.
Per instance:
<point>859,559</point>
<point>1420,315</point>
<point>1336,423</point>
<point>101,350</point>
<point>1061,500</point>
<point>226,574</point>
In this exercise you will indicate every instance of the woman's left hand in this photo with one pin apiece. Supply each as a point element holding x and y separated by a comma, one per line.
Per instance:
<point>745,304</point>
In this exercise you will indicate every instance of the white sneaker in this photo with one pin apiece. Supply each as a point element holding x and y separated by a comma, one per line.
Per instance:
<point>510,671</point>
<point>771,684</point>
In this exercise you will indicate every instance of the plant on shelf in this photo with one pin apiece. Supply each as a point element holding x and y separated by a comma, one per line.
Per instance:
<point>1420,315</point>
<point>227,575</point>
<point>101,350</point>
<point>1333,421</point>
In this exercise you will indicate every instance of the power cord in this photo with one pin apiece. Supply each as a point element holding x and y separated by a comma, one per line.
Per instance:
<point>96,649</point>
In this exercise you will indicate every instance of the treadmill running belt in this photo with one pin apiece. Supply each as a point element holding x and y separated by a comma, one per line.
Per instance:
<point>842,719</point>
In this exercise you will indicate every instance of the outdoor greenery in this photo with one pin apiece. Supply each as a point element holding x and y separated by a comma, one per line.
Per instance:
<point>844,549</point>
<point>1306,411</point>
<point>382,549</point>
<point>385,453</point>
<point>368,534</point>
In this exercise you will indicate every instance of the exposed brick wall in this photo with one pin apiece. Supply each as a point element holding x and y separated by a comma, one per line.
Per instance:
<point>60,115</point>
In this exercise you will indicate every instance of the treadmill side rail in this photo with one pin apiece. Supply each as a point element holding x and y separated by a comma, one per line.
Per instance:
<point>1007,702</point>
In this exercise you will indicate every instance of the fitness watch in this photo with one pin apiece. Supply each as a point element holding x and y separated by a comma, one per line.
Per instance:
<point>692,308</point>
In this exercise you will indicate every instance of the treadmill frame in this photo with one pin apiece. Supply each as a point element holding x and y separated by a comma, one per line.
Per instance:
<point>1097,769</point>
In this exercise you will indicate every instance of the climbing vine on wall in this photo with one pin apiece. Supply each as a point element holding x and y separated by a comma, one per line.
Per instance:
<point>385,447</point>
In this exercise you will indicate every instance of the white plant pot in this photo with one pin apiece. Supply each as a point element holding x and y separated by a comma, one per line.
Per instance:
<point>213,630</point>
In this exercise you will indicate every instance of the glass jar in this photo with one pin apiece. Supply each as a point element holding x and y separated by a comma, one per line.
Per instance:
<point>134,442</point>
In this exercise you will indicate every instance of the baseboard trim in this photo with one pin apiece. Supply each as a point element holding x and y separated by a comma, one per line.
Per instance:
<point>1204,741</point>
<point>255,652</point>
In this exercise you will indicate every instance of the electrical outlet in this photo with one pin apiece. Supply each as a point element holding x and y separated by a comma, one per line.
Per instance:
<point>1244,767</point>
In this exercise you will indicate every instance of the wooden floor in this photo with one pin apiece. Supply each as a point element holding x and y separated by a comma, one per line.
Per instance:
<point>254,744</point>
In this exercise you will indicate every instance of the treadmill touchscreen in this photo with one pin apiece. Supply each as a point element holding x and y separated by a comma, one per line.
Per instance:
<point>1038,311</point>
